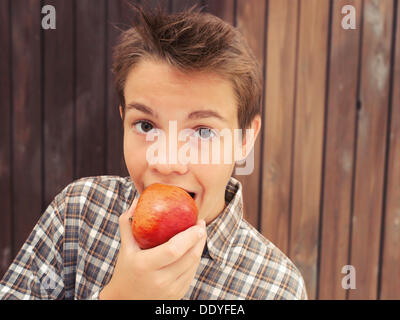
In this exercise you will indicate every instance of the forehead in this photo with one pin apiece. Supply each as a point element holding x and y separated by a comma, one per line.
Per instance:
<point>165,89</point>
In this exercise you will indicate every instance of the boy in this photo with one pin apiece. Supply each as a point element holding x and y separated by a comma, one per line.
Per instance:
<point>193,72</point>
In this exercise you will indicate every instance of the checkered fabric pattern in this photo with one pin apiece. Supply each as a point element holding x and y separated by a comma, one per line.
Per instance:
<point>72,250</point>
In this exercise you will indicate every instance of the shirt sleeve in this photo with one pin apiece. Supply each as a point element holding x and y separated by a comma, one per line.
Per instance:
<point>302,290</point>
<point>94,296</point>
<point>37,270</point>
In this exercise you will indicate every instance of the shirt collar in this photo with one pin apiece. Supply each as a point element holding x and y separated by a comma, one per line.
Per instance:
<point>222,230</point>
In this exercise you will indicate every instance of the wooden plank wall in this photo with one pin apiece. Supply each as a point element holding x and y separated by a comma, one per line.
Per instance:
<point>326,182</point>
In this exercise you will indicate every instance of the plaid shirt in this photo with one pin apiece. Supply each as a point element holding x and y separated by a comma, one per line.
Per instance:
<point>72,250</point>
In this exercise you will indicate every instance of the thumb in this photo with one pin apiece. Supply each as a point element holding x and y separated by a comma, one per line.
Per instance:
<point>125,228</point>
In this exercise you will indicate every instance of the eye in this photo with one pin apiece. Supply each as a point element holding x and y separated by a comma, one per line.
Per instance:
<point>205,133</point>
<point>143,126</point>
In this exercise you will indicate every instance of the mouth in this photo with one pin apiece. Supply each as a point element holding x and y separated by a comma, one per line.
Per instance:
<point>192,194</point>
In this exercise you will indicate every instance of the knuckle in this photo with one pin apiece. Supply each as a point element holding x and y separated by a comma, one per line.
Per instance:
<point>121,218</point>
<point>173,250</point>
<point>195,254</point>
<point>180,291</point>
<point>171,291</point>
<point>159,283</point>
<point>171,294</point>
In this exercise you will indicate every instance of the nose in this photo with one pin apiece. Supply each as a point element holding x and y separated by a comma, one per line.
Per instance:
<point>168,169</point>
<point>167,160</point>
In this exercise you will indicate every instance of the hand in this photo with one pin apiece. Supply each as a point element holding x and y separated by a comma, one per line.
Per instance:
<point>163,272</point>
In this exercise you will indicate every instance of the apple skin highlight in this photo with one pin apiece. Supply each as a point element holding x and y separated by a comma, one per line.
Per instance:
<point>162,211</point>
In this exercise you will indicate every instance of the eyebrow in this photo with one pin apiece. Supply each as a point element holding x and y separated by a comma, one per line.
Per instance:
<point>194,115</point>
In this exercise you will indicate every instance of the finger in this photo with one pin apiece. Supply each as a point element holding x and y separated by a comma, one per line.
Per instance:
<point>187,261</point>
<point>125,228</point>
<point>190,257</point>
<point>182,283</point>
<point>165,254</point>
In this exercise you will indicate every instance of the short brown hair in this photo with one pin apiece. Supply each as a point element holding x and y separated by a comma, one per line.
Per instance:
<point>192,40</point>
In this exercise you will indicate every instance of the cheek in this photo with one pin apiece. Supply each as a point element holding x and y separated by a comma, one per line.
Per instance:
<point>134,154</point>
<point>221,150</point>
<point>213,177</point>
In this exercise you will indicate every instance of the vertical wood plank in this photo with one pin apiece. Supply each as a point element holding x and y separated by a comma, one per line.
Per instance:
<point>280,89</point>
<point>370,156</point>
<point>339,151</point>
<point>251,23</point>
<point>99,140</point>
<point>90,87</point>
<point>390,273</point>
<point>165,4</point>
<point>223,9</point>
<point>178,5</point>
<point>119,17</point>
<point>308,144</point>
<point>5,132</point>
<point>27,125</point>
<point>58,101</point>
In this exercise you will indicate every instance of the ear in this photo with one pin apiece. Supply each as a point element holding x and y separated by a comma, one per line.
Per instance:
<point>250,137</point>
<point>121,113</point>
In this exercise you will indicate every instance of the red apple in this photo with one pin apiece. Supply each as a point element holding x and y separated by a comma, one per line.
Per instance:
<point>162,211</point>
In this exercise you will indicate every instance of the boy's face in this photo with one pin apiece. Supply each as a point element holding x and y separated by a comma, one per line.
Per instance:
<point>171,96</point>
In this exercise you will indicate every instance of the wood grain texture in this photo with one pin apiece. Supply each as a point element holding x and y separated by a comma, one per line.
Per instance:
<point>371,145</point>
<point>90,87</point>
<point>59,101</point>
<point>278,120</point>
<point>27,122</point>
<point>339,152</point>
<point>250,21</point>
<point>308,144</point>
<point>178,5</point>
<point>223,9</point>
<point>5,138</point>
<point>119,17</point>
<point>390,273</point>
<point>165,4</point>
<point>329,173</point>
